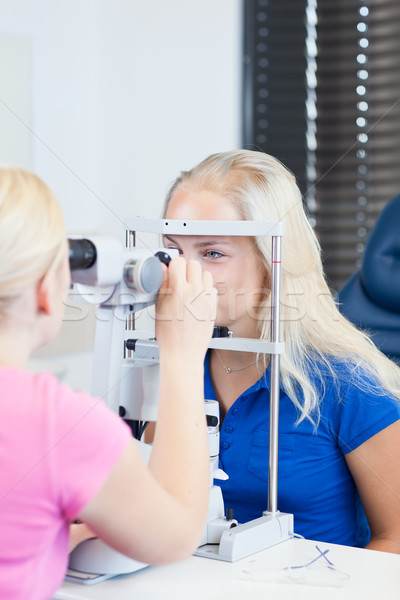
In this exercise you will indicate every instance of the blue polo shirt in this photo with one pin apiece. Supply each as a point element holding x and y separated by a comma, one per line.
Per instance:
<point>314,482</point>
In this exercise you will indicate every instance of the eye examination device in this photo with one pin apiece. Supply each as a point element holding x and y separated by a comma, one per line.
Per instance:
<point>121,281</point>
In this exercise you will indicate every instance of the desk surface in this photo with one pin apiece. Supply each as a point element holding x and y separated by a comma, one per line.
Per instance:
<point>357,574</point>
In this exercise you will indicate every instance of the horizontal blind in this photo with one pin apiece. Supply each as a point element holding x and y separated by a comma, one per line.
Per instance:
<point>274,82</point>
<point>357,125</point>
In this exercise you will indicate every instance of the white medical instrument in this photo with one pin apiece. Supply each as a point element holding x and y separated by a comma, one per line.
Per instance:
<point>125,375</point>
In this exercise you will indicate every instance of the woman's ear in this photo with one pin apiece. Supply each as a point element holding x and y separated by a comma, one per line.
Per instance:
<point>43,296</point>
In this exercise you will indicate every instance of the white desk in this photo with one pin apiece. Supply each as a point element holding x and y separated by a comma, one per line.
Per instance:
<point>366,575</point>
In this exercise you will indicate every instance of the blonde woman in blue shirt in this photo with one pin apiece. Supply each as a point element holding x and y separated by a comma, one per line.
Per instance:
<point>339,444</point>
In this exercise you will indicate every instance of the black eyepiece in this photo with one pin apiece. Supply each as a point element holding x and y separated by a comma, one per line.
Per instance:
<point>163,257</point>
<point>82,254</point>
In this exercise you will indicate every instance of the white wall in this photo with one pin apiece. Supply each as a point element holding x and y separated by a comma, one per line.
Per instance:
<point>15,99</point>
<point>123,95</point>
<point>170,71</point>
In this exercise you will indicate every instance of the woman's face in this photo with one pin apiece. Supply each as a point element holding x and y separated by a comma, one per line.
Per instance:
<point>233,261</point>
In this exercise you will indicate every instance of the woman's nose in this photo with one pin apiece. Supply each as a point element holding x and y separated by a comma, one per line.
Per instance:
<point>189,254</point>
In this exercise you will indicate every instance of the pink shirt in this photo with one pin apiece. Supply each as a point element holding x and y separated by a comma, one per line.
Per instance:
<point>57,448</point>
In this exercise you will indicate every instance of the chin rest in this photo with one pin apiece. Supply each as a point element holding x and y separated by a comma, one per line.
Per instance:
<point>371,297</point>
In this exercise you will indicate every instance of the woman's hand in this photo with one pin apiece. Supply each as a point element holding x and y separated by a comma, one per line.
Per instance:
<point>186,309</point>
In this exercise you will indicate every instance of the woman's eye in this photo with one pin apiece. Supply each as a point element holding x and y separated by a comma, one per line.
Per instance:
<point>213,254</point>
<point>169,247</point>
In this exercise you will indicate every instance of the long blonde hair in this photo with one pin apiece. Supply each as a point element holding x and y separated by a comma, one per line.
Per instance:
<point>32,233</point>
<point>315,333</point>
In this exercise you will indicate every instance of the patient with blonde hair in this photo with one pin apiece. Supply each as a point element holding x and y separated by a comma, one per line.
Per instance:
<point>339,429</point>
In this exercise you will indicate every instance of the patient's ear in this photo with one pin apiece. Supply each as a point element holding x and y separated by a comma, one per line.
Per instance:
<point>43,296</point>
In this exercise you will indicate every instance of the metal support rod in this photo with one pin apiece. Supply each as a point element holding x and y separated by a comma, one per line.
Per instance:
<point>130,243</point>
<point>274,389</point>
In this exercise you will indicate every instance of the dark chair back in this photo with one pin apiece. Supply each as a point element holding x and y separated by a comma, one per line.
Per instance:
<point>371,297</point>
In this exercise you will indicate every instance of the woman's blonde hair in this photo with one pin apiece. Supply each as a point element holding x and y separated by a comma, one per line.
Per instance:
<point>32,233</point>
<point>315,333</point>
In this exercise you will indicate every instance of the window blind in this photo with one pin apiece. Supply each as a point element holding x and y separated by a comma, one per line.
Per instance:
<point>357,126</point>
<point>274,83</point>
<point>321,92</point>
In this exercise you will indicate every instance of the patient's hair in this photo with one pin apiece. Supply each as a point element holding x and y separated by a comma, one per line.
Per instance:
<point>32,234</point>
<point>314,331</point>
